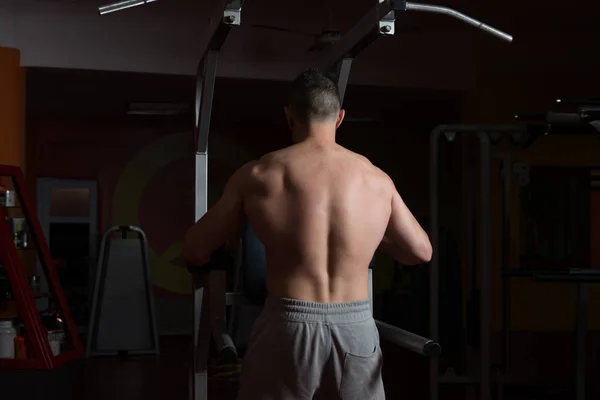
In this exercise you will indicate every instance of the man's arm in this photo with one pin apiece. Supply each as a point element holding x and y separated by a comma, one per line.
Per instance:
<point>220,223</point>
<point>404,238</point>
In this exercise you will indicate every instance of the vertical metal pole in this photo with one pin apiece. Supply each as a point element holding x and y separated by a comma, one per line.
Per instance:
<point>506,303</point>
<point>371,289</point>
<point>434,265</point>
<point>469,209</point>
<point>581,339</point>
<point>204,99</point>
<point>205,86</point>
<point>486,264</point>
<point>342,74</point>
<point>206,77</point>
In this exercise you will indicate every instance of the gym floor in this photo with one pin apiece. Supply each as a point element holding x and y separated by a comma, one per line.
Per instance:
<point>166,377</point>
<point>148,378</point>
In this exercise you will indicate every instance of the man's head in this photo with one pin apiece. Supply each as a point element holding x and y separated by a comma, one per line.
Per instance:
<point>314,99</point>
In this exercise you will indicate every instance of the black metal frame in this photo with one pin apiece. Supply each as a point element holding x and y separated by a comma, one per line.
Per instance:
<point>484,134</point>
<point>229,15</point>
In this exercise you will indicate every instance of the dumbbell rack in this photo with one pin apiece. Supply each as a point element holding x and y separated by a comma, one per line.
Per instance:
<point>39,353</point>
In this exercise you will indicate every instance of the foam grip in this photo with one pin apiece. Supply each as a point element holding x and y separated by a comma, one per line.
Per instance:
<point>254,267</point>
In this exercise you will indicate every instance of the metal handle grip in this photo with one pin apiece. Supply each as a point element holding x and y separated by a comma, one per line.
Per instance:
<point>408,340</point>
<point>458,15</point>
<point>554,118</point>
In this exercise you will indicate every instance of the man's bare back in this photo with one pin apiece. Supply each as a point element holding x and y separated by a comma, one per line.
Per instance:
<point>321,212</point>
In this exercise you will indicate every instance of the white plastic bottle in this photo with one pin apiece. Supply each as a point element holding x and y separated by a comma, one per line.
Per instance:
<point>7,339</point>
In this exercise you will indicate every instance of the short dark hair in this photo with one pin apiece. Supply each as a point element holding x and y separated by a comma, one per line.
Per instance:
<point>314,97</point>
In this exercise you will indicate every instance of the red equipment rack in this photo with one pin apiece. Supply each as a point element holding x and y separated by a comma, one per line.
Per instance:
<point>40,355</point>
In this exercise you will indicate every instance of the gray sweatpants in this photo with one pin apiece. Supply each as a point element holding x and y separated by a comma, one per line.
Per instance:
<point>301,350</point>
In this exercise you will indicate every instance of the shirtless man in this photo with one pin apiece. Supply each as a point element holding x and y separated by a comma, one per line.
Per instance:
<point>321,211</point>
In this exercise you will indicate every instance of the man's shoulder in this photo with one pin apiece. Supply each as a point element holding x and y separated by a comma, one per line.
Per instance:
<point>369,167</point>
<point>258,170</point>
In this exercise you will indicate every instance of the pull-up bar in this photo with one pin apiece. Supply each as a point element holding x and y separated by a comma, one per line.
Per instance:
<point>458,15</point>
<point>380,21</point>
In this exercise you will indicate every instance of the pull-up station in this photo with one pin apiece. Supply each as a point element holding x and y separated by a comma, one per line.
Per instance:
<point>210,298</point>
<point>378,21</point>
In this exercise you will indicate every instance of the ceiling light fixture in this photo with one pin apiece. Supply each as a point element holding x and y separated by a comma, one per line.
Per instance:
<point>122,5</point>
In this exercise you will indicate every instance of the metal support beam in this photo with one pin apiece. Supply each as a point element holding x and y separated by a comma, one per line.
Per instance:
<point>205,86</point>
<point>369,28</point>
<point>230,16</point>
<point>340,75</point>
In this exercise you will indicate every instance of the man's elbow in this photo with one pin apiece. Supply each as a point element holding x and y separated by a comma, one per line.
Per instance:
<point>192,255</point>
<point>425,252</point>
<point>422,254</point>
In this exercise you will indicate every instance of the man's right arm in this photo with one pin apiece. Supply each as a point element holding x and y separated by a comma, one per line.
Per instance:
<point>405,239</point>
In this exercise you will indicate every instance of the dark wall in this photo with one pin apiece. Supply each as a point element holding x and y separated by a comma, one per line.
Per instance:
<point>144,164</point>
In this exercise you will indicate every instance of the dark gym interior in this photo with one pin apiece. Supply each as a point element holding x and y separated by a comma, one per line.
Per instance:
<point>98,112</point>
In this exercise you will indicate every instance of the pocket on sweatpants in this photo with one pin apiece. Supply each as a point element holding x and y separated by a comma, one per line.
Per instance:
<point>361,376</point>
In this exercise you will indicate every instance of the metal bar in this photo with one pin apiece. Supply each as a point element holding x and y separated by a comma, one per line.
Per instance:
<point>579,102</point>
<point>434,265</point>
<point>371,291</point>
<point>121,5</point>
<point>230,15</point>
<point>150,288</point>
<point>486,263</point>
<point>206,76</point>
<point>408,340</point>
<point>201,185</point>
<point>360,36</point>
<point>566,278</point>
<point>341,76</point>
<point>204,99</point>
<point>97,289</point>
<point>582,275</point>
<point>506,302</point>
<point>218,309</point>
<point>556,118</point>
<point>581,338</point>
<point>460,16</point>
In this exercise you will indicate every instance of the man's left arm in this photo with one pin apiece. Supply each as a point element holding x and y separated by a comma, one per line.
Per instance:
<point>220,223</point>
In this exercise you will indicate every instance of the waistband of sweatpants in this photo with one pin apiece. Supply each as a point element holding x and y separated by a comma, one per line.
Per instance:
<point>307,311</point>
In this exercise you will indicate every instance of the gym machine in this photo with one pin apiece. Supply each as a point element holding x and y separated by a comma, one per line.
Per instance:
<point>485,135</point>
<point>585,120</point>
<point>123,297</point>
<point>210,297</point>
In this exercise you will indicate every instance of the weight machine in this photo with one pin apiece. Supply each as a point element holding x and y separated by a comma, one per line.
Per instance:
<point>210,297</point>
<point>585,120</point>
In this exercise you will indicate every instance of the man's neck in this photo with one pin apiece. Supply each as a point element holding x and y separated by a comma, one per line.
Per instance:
<point>320,134</point>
